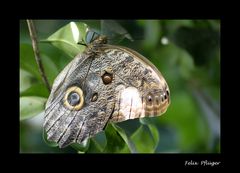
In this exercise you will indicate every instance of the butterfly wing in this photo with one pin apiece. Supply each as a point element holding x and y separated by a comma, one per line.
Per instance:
<point>140,89</point>
<point>111,84</point>
<point>65,125</point>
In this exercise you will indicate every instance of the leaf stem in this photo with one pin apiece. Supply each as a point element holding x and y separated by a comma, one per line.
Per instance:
<point>33,35</point>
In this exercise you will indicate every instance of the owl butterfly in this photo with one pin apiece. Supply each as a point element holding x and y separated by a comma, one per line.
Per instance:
<point>105,83</point>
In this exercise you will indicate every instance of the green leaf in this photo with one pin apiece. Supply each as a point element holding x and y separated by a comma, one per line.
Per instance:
<point>127,140</point>
<point>50,143</point>
<point>99,141</point>
<point>149,122</point>
<point>28,63</point>
<point>31,106</point>
<point>145,120</point>
<point>130,126</point>
<point>94,147</point>
<point>26,80</point>
<point>27,60</point>
<point>38,89</point>
<point>59,58</point>
<point>155,134</point>
<point>115,142</point>
<point>145,140</point>
<point>81,147</point>
<point>50,68</point>
<point>67,37</point>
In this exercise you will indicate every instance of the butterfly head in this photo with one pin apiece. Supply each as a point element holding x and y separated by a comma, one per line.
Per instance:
<point>101,39</point>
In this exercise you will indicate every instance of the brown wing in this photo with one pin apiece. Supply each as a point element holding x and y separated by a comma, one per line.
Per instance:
<point>140,89</point>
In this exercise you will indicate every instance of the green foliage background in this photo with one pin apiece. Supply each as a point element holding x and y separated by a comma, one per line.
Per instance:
<point>187,52</point>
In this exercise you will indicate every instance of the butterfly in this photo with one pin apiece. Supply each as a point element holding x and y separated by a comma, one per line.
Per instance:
<point>105,83</point>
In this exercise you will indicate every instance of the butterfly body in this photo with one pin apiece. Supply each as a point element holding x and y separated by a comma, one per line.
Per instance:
<point>103,84</point>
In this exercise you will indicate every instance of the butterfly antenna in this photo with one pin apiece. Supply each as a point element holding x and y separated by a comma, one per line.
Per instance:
<point>82,43</point>
<point>94,33</point>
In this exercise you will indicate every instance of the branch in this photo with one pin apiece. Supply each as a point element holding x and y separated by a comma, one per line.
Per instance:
<point>33,35</point>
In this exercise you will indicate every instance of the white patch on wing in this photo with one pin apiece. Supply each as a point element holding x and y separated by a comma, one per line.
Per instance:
<point>131,103</point>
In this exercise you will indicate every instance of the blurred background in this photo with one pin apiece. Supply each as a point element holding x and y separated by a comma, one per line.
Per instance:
<point>187,52</point>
